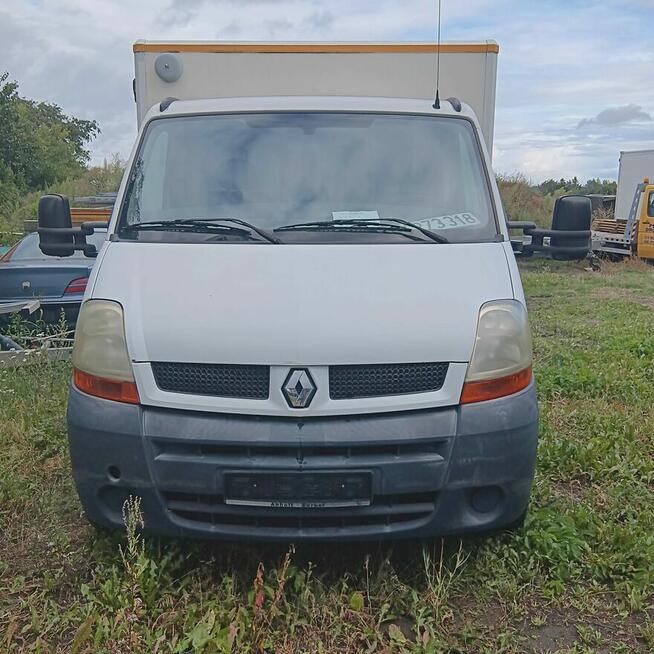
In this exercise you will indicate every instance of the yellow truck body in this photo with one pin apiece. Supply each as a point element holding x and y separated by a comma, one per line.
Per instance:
<point>645,236</point>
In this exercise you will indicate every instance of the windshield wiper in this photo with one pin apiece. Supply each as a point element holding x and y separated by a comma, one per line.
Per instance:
<point>346,225</point>
<point>205,225</point>
<point>353,225</point>
<point>264,233</point>
<point>423,230</point>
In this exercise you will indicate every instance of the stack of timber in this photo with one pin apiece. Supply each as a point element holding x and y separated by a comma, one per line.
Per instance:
<point>609,225</point>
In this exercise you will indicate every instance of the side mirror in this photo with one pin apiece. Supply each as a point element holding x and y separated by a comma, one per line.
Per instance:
<point>57,236</point>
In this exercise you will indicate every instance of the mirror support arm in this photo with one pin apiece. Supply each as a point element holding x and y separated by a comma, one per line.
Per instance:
<point>79,235</point>
<point>66,231</point>
<point>96,225</point>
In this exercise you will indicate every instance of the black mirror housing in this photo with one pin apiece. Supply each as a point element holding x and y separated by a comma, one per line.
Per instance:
<point>54,211</point>
<point>56,239</point>
<point>57,236</point>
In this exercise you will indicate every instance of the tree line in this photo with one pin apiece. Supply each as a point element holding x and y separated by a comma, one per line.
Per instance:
<point>44,150</point>
<point>39,145</point>
<point>591,187</point>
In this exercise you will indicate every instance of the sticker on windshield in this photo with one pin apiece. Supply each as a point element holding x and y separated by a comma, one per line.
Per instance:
<point>355,215</point>
<point>451,221</point>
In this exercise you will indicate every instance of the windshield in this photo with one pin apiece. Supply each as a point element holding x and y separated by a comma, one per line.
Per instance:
<point>279,169</point>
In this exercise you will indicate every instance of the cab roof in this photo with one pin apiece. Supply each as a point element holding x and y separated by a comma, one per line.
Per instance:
<point>172,107</point>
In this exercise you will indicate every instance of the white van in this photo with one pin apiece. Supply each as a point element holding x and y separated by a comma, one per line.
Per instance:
<point>307,323</point>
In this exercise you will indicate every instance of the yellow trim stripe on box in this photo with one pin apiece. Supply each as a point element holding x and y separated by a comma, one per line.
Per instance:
<point>314,48</point>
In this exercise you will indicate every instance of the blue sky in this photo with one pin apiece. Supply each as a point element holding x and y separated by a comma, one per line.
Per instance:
<point>574,86</point>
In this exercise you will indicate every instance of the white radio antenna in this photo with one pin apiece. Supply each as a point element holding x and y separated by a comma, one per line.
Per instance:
<point>437,103</point>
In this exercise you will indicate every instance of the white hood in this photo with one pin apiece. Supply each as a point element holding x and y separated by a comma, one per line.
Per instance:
<point>302,305</point>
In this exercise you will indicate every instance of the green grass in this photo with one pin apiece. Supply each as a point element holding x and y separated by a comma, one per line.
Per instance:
<point>578,578</point>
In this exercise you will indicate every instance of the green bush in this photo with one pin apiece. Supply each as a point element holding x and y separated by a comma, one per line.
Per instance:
<point>40,147</point>
<point>97,179</point>
<point>525,202</point>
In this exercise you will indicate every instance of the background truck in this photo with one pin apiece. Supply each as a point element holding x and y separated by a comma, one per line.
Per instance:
<point>629,230</point>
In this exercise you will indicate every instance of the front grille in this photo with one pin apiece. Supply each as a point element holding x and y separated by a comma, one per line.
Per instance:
<point>276,455</point>
<point>218,380</point>
<point>345,382</point>
<point>409,510</point>
<point>349,382</point>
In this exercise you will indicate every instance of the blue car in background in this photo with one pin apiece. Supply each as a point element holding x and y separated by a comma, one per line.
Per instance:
<point>57,282</point>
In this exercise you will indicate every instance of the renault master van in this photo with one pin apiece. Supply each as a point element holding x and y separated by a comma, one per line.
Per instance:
<point>307,322</point>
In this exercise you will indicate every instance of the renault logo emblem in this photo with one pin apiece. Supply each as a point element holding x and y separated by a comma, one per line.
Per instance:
<point>299,388</point>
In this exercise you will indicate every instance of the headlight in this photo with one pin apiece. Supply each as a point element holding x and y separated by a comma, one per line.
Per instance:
<point>101,363</point>
<point>502,356</point>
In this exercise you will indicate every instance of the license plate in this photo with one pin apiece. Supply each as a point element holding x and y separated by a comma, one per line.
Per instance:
<point>298,490</point>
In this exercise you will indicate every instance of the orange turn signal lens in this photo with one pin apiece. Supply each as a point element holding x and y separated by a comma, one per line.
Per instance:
<point>491,389</point>
<point>107,389</point>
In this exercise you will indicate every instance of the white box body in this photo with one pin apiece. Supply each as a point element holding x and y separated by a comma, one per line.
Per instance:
<point>223,70</point>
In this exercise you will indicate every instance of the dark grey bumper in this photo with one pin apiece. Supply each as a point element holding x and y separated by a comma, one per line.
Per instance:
<point>435,472</point>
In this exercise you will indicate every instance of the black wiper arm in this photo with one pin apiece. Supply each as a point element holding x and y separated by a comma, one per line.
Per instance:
<point>364,225</point>
<point>332,225</point>
<point>423,230</point>
<point>357,226</point>
<point>264,233</point>
<point>183,225</point>
<point>202,225</point>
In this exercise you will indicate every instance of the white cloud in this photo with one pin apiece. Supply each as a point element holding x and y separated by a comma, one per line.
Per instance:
<point>557,67</point>
<point>614,116</point>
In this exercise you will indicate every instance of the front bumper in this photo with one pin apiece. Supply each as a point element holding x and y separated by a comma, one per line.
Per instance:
<point>434,472</point>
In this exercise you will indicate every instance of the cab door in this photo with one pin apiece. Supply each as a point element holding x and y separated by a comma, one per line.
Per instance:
<point>646,225</point>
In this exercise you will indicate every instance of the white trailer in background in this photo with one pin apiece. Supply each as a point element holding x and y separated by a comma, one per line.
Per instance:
<point>196,70</point>
<point>635,166</point>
